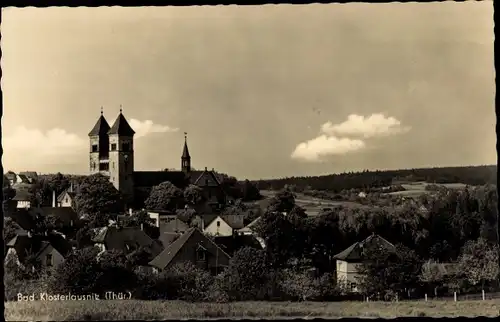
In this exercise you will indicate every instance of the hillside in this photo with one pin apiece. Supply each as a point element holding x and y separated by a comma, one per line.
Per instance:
<point>470,175</point>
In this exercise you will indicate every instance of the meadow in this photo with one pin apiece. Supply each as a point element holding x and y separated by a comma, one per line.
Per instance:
<point>418,188</point>
<point>156,310</point>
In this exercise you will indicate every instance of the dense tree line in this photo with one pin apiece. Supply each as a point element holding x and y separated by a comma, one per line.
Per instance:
<point>472,175</point>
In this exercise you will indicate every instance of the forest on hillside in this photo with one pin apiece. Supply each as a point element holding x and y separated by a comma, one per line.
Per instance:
<point>470,175</point>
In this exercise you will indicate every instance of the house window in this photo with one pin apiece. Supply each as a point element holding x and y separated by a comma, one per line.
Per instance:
<point>66,199</point>
<point>218,223</point>
<point>125,147</point>
<point>200,255</point>
<point>113,165</point>
<point>206,182</point>
<point>113,147</point>
<point>48,260</point>
<point>95,148</point>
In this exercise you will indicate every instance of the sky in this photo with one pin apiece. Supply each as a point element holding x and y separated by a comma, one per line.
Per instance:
<point>262,91</point>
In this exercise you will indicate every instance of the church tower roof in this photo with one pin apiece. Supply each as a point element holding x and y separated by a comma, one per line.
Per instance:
<point>185,151</point>
<point>101,127</point>
<point>121,126</point>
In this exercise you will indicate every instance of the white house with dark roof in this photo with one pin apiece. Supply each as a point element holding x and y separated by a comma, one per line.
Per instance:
<point>349,260</point>
<point>224,225</point>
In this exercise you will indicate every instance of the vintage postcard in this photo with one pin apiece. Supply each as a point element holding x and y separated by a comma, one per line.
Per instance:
<point>273,161</point>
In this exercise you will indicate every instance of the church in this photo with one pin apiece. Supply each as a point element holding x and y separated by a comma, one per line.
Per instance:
<point>112,155</point>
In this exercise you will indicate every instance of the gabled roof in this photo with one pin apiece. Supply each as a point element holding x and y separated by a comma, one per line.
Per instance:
<point>233,221</point>
<point>167,238</point>
<point>30,174</point>
<point>248,228</point>
<point>26,218</point>
<point>100,128</point>
<point>24,244</point>
<point>446,269</point>
<point>355,251</point>
<point>65,214</point>
<point>210,174</point>
<point>207,219</point>
<point>61,196</point>
<point>126,239</point>
<point>166,257</point>
<point>121,127</point>
<point>11,175</point>
<point>22,195</point>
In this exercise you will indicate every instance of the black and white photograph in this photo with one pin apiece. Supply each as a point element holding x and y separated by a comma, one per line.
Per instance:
<point>250,161</point>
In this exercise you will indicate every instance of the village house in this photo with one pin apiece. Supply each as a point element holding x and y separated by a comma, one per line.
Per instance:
<point>65,198</point>
<point>192,246</point>
<point>349,260</point>
<point>249,230</point>
<point>125,239</point>
<point>224,225</point>
<point>37,252</point>
<point>23,199</point>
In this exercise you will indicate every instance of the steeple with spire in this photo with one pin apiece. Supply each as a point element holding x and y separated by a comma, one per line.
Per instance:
<point>185,158</point>
<point>99,145</point>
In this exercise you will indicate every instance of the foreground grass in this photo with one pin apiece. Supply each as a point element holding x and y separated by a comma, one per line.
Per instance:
<point>161,310</point>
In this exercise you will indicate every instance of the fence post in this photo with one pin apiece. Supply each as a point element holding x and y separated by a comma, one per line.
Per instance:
<point>455,296</point>
<point>483,295</point>
<point>426,297</point>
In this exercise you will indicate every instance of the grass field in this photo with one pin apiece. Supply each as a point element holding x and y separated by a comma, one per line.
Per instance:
<point>312,205</point>
<point>151,310</point>
<point>418,188</point>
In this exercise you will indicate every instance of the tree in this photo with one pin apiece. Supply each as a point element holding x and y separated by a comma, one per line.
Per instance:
<point>141,218</point>
<point>300,285</point>
<point>10,229</point>
<point>98,198</point>
<point>165,196</point>
<point>479,261</point>
<point>283,201</point>
<point>250,192</point>
<point>80,273</point>
<point>389,271</point>
<point>194,195</point>
<point>432,275</point>
<point>278,234</point>
<point>247,276</point>
<point>48,184</point>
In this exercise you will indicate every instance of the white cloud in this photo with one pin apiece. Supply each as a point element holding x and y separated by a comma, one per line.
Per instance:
<point>324,145</point>
<point>143,128</point>
<point>376,125</point>
<point>31,148</point>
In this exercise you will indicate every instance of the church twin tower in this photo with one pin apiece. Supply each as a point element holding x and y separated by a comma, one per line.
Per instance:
<point>112,153</point>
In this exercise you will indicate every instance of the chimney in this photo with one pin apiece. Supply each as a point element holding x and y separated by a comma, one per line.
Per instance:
<point>54,199</point>
<point>130,211</point>
<point>205,168</point>
<point>213,170</point>
<point>71,187</point>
